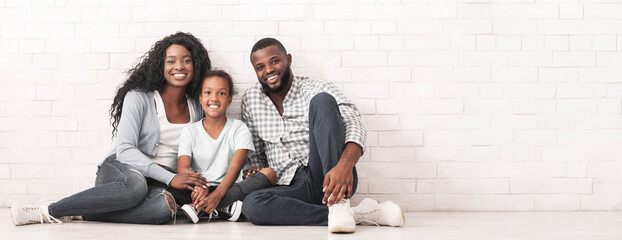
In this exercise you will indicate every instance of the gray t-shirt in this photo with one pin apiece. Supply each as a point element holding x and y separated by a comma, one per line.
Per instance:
<point>211,157</point>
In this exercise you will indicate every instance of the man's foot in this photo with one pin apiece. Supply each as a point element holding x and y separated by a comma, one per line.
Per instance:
<point>191,213</point>
<point>23,214</point>
<point>340,218</point>
<point>369,211</point>
<point>231,212</point>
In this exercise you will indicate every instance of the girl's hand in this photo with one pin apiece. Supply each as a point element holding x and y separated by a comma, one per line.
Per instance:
<point>209,203</point>
<point>198,194</point>
<point>249,172</point>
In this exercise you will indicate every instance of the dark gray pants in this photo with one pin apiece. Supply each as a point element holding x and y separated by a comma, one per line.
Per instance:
<point>300,203</point>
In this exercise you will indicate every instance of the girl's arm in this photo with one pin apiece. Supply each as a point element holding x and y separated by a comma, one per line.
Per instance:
<point>183,164</point>
<point>212,200</point>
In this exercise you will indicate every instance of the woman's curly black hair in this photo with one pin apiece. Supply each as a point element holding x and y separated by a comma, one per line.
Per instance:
<point>148,74</point>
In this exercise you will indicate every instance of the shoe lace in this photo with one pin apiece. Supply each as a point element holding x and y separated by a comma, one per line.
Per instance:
<point>212,214</point>
<point>370,217</point>
<point>36,215</point>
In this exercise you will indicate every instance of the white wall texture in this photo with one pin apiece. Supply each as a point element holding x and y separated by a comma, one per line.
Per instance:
<point>475,105</point>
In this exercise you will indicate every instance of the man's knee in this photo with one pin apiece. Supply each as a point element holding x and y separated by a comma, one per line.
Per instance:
<point>322,100</point>
<point>254,207</point>
<point>270,174</point>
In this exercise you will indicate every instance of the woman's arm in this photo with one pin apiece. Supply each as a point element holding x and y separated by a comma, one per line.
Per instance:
<point>212,200</point>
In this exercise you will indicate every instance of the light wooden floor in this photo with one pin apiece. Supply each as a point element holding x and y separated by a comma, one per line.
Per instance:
<point>419,225</point>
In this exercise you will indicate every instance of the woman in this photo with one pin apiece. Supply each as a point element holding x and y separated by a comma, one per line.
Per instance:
<point>148,112</point>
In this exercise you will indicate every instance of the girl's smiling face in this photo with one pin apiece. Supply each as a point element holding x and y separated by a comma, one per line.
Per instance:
<point>215,97</point>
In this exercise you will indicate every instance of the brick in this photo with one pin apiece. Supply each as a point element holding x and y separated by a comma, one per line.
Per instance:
<point>366,90</point>
<point>364,59</point>
<point>427,43</point>
<point>255,28</point>
<point>17,15</point>
<point>577,106</point>
<point>580,43</point>
<point>384,27</point>
<point>535,137</point>
<point>97,30</point>
<point>59,15</point>
<point>67,46</point>
<point>484,202</point>
<point>414,26</point>
<point>304,28</point>
<point>558,75</point>
<point>490,137</point>
<point>545,169</point>
<point>381,122</point>
<point>508,43</point>
<point>463,42</point>
<point>78,139</point>
<point>533,43</point>
<point>609,106</point>
<point>9,46</point>
<point>393,154</point>
<point>592,121</point>
<point>366,43</point>
<point>500,74</point>
<point>486,43</point>
<point>386,186</point>
<point>468,26</point>
<point>32,46</point>
<point>380,170</point>
<point>508,11</point>
<point>574,59</point>
<point>520,154</point>
<point>404,11</point>
<point>487,106</point>
<point>348,28</point>
<point>456,90</point>
<point>436,58</point>
<point>55,92</point>
<point>49,186</point>
<point>557,202</point>
<point>29,108</point>
<point>600,202</point>
<point>423,122</point>
<point>580,90</point>
<point>390,74</point>
<point>335,12</point>
<point>370,11</point>
<point>530,59</point>
<point>153,14</point>
<point>561,185</point>
<point>401,138</point>
<point>458,170</point>
<point>62,30</point>
<point>571,11</point>
<point>604,43</point>
<point>556,43</point>
<point>484,59</point>
<point>444,10</point>
<point>608,59</point>
<point>122,15</point>
<point>94,14</point>
<point>387,107</point>
<point>463,186</point>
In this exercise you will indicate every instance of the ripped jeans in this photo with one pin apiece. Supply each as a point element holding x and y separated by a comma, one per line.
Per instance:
<point>121,195</point>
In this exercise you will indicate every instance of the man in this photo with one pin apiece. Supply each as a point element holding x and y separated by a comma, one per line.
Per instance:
<point>312,137</point>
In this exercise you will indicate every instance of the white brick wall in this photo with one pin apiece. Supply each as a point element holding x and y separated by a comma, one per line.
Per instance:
<point>471,105</point>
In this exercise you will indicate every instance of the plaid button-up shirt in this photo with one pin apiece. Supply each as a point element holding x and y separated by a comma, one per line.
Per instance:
<point>282,142</point>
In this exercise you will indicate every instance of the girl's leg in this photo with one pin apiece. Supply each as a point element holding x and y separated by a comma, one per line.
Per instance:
<point>238,191</point>
<point>117,187</point>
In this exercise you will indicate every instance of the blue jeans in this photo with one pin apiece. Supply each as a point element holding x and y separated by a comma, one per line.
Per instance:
<point>300,202</point>
<point>120,195</point>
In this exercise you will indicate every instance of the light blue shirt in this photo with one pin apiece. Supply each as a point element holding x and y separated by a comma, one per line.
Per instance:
<point>211,157</point>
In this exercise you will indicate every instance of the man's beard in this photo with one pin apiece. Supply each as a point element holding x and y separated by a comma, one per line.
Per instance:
<point>284,82</point>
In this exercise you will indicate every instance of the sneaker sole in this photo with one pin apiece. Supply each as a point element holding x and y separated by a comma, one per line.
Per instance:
<point>13,214</point>
<point>397,207</point>
<point>189,212</point>
<point>237,211</point>
<point>342,229</point>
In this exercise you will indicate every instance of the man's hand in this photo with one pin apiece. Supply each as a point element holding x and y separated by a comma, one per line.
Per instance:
<point>188,181</point>
<point>198,194</point>
<point>338,183</point>
<point>246,173</point>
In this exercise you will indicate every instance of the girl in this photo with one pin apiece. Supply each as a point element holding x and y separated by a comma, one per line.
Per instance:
<point>147,113</point>
<point>216,147</point>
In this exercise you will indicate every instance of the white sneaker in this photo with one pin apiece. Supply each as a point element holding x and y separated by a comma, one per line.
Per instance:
<point>191,213</point>
<point>369,211</point>
<point>46,204</point>
<point>23,214</point>
<point>340,217</point>
<point>231,212</point>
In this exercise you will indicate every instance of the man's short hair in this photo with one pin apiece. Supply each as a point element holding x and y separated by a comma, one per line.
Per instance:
<point>266,42</point>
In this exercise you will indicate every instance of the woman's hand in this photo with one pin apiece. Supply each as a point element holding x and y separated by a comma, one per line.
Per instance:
<point>188,181</point>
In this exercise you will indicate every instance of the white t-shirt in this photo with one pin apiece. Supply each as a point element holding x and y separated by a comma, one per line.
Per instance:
<point>166,153</point>
<point>211,157</point>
